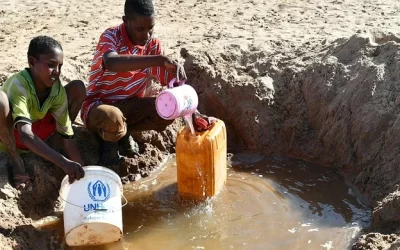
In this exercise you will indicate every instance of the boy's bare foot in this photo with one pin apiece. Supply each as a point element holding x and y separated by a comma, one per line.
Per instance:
<point>128,146</point>
<point>109,154</point>
<point>22,182</point>
<point>20,179</point>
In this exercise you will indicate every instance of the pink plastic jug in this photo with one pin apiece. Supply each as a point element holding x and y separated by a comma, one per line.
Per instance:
<point>177,101</point>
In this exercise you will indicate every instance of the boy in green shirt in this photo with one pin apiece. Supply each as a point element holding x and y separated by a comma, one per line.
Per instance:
<point>34,104</point>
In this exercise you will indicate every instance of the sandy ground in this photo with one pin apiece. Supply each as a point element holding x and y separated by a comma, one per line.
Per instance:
<point>302,78</point>
<point>278,27</point>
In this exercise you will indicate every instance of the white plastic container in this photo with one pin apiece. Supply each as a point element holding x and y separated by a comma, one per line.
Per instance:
<point>92,207</point>
<point>177,101</point>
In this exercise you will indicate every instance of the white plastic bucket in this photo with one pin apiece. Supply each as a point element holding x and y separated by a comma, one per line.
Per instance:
<point>92,207</point>
<point>177,101</point>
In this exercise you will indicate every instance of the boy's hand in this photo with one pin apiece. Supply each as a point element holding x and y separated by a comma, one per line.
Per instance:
<point>202,122</point>
<point>173,67</point>
<point>36,145</point>
<point>73,169</point>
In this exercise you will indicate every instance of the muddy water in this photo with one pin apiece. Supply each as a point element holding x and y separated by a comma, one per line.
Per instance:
<point>266,204</point>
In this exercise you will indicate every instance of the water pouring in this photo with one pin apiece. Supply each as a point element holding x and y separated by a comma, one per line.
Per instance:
<point>201,153</point>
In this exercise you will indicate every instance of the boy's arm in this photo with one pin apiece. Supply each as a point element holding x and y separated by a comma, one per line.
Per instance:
<point>109,59</point>
<point>59,111</point>
<point>36,145</point>
<point>107,51</point>
<point>71,148</point>
<point>122,63</point>
<point>22,122</point>
<point>115,62</point>
<point>165,75</point>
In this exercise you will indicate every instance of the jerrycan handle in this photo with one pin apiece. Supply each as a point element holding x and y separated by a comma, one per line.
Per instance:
<point>171,83</point>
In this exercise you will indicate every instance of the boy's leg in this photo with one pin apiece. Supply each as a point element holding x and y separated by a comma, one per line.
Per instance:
<point>20,178</point>
<point>111,122</point>
<point>76,94</point>
<point>141,114</point>
<point>108,124</point>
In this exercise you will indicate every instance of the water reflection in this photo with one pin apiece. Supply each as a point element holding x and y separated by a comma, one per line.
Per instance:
<point>320,191</point>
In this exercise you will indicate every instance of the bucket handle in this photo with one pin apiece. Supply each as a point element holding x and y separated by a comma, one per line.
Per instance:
<point>174,80</point>
<point>98,209</point>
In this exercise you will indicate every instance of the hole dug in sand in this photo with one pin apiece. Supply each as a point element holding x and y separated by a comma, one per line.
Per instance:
<point>339,110</point>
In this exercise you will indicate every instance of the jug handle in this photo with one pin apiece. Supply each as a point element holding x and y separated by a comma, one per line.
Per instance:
<point>171,83</point>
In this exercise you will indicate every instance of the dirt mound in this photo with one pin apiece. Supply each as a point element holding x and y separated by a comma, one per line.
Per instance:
<point>377,241</point>
<point>341,110</point>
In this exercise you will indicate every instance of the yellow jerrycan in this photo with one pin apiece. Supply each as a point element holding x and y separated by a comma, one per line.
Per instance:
<point>201,161</point>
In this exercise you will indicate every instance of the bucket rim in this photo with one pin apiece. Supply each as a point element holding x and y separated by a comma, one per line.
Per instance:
<point>93,168</point>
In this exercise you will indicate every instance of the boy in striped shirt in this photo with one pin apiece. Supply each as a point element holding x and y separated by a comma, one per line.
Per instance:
<point>127,57</point>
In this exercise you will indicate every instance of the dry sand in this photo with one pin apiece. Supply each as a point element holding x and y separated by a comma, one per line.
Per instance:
<point>311,79</point>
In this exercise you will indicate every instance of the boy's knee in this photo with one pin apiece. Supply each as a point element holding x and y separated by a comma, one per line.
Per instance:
<point>5,117</point>
<point>76,90</point>
<point>108,121</point>
<point>4,104</point>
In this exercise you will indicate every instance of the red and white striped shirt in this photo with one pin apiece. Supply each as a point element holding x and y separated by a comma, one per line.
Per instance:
<point>107,86</point>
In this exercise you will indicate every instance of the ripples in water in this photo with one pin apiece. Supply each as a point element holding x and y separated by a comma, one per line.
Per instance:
<point>267,203</point>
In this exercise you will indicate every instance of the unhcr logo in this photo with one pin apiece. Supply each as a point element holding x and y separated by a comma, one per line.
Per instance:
<point>98,191</point>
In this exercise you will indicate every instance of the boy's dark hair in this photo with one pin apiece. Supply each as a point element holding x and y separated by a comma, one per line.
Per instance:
<point>42,45</point>
<point>141,7</point>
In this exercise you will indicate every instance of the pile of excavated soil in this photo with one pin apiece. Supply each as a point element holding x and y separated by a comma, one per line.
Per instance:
<point>308,79</point>
<point>342,110</point>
